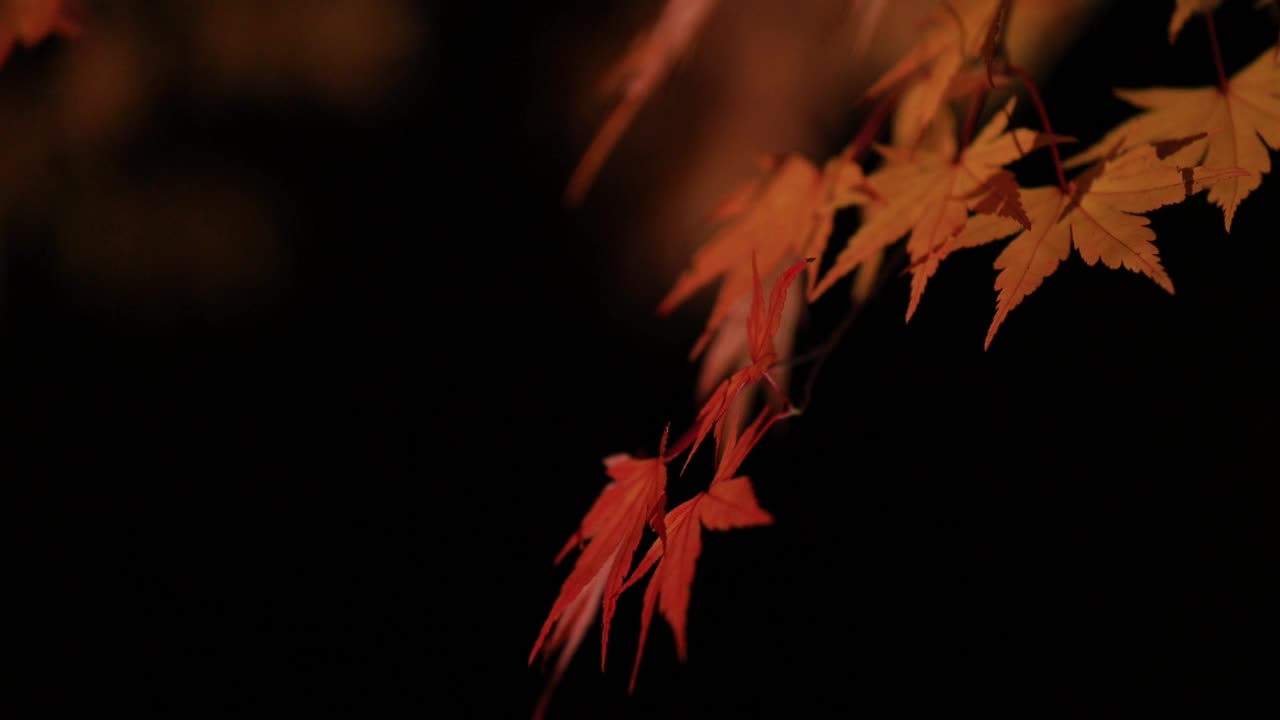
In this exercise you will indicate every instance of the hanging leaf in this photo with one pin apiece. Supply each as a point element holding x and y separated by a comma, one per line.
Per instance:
<point>728,503</point>
<point>1246,112</point>
<point>1101,216</point>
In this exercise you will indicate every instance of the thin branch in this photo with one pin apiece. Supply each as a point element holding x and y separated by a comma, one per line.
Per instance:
<point>824,352</point>
<point>820,354</point>
<point>1217,51</point>
<point>1034,92</point>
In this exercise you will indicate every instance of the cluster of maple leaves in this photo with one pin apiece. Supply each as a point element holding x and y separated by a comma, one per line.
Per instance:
<point>941,184</point>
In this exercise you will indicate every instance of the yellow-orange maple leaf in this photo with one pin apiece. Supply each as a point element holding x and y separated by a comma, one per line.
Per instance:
<point>958,31</point>
<point>612,530</point>
<point>928,195</point>
<point>1099,216</point>
<point>728,503</point>
<point>1000,195</point>
<point>30,21</point>
<point>786,218</point>
<point>1247,113</point>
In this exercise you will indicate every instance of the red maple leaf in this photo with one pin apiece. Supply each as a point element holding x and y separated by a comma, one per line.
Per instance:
<point>762,325</point>
<point>611,530</point>
<point>570,631</point>
<point>728,503</point>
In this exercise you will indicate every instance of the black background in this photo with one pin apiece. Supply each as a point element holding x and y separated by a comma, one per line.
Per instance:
<point>349,499</point>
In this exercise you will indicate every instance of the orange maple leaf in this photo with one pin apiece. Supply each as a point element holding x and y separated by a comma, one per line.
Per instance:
<point>958,31</point>
<point>728,503</point>
<point>928,195</point>
<point>31,21</point>
<point>636,77</point>
<point>906,139</point>
<point>994,48</point>
<point>922,114</point>
<point>770,223</point>
<point>612,530</point>
<point>1100,216</point>
<point>762,325</point>
<point>1247,111</point>
<point>1000,195</point>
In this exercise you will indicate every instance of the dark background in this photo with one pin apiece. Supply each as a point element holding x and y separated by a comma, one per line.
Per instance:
<point>346,495</point>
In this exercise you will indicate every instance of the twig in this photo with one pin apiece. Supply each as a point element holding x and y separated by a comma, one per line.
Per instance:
<point>1034,92</point>
<point>820,354</point>
<point>1217,51</point>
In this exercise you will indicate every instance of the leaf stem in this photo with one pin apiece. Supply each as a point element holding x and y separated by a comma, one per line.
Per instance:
<point>823,352</point>
<point>1034,92</point>
<point>820,354</point>
<point>1217,51</point>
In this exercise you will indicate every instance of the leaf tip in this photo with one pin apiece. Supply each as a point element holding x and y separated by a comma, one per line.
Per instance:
<point>991,331</point>
<point>665,308</point>
<point>700,346</point>
<point>818,290</point>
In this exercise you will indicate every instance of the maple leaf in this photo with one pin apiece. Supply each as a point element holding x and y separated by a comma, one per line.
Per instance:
<point>636,77</point>
<point>843,185</point>
<point>570,632</point>
<point>994,48</point>
<point>612,530</point>
<point>770,223</point>
<point>31,21</point>
<point>1100,216</point>
<point>762,325</point>
<point>728,503</point>
<point>1184,9</point>
<point>739,200</point>
<point>999,195</point>
<point>730,350</point>
<point>960,30</point>
<point>922,115</point>
<point>905,139</point>
<point>928,195</point>
<point>1247,111</point>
